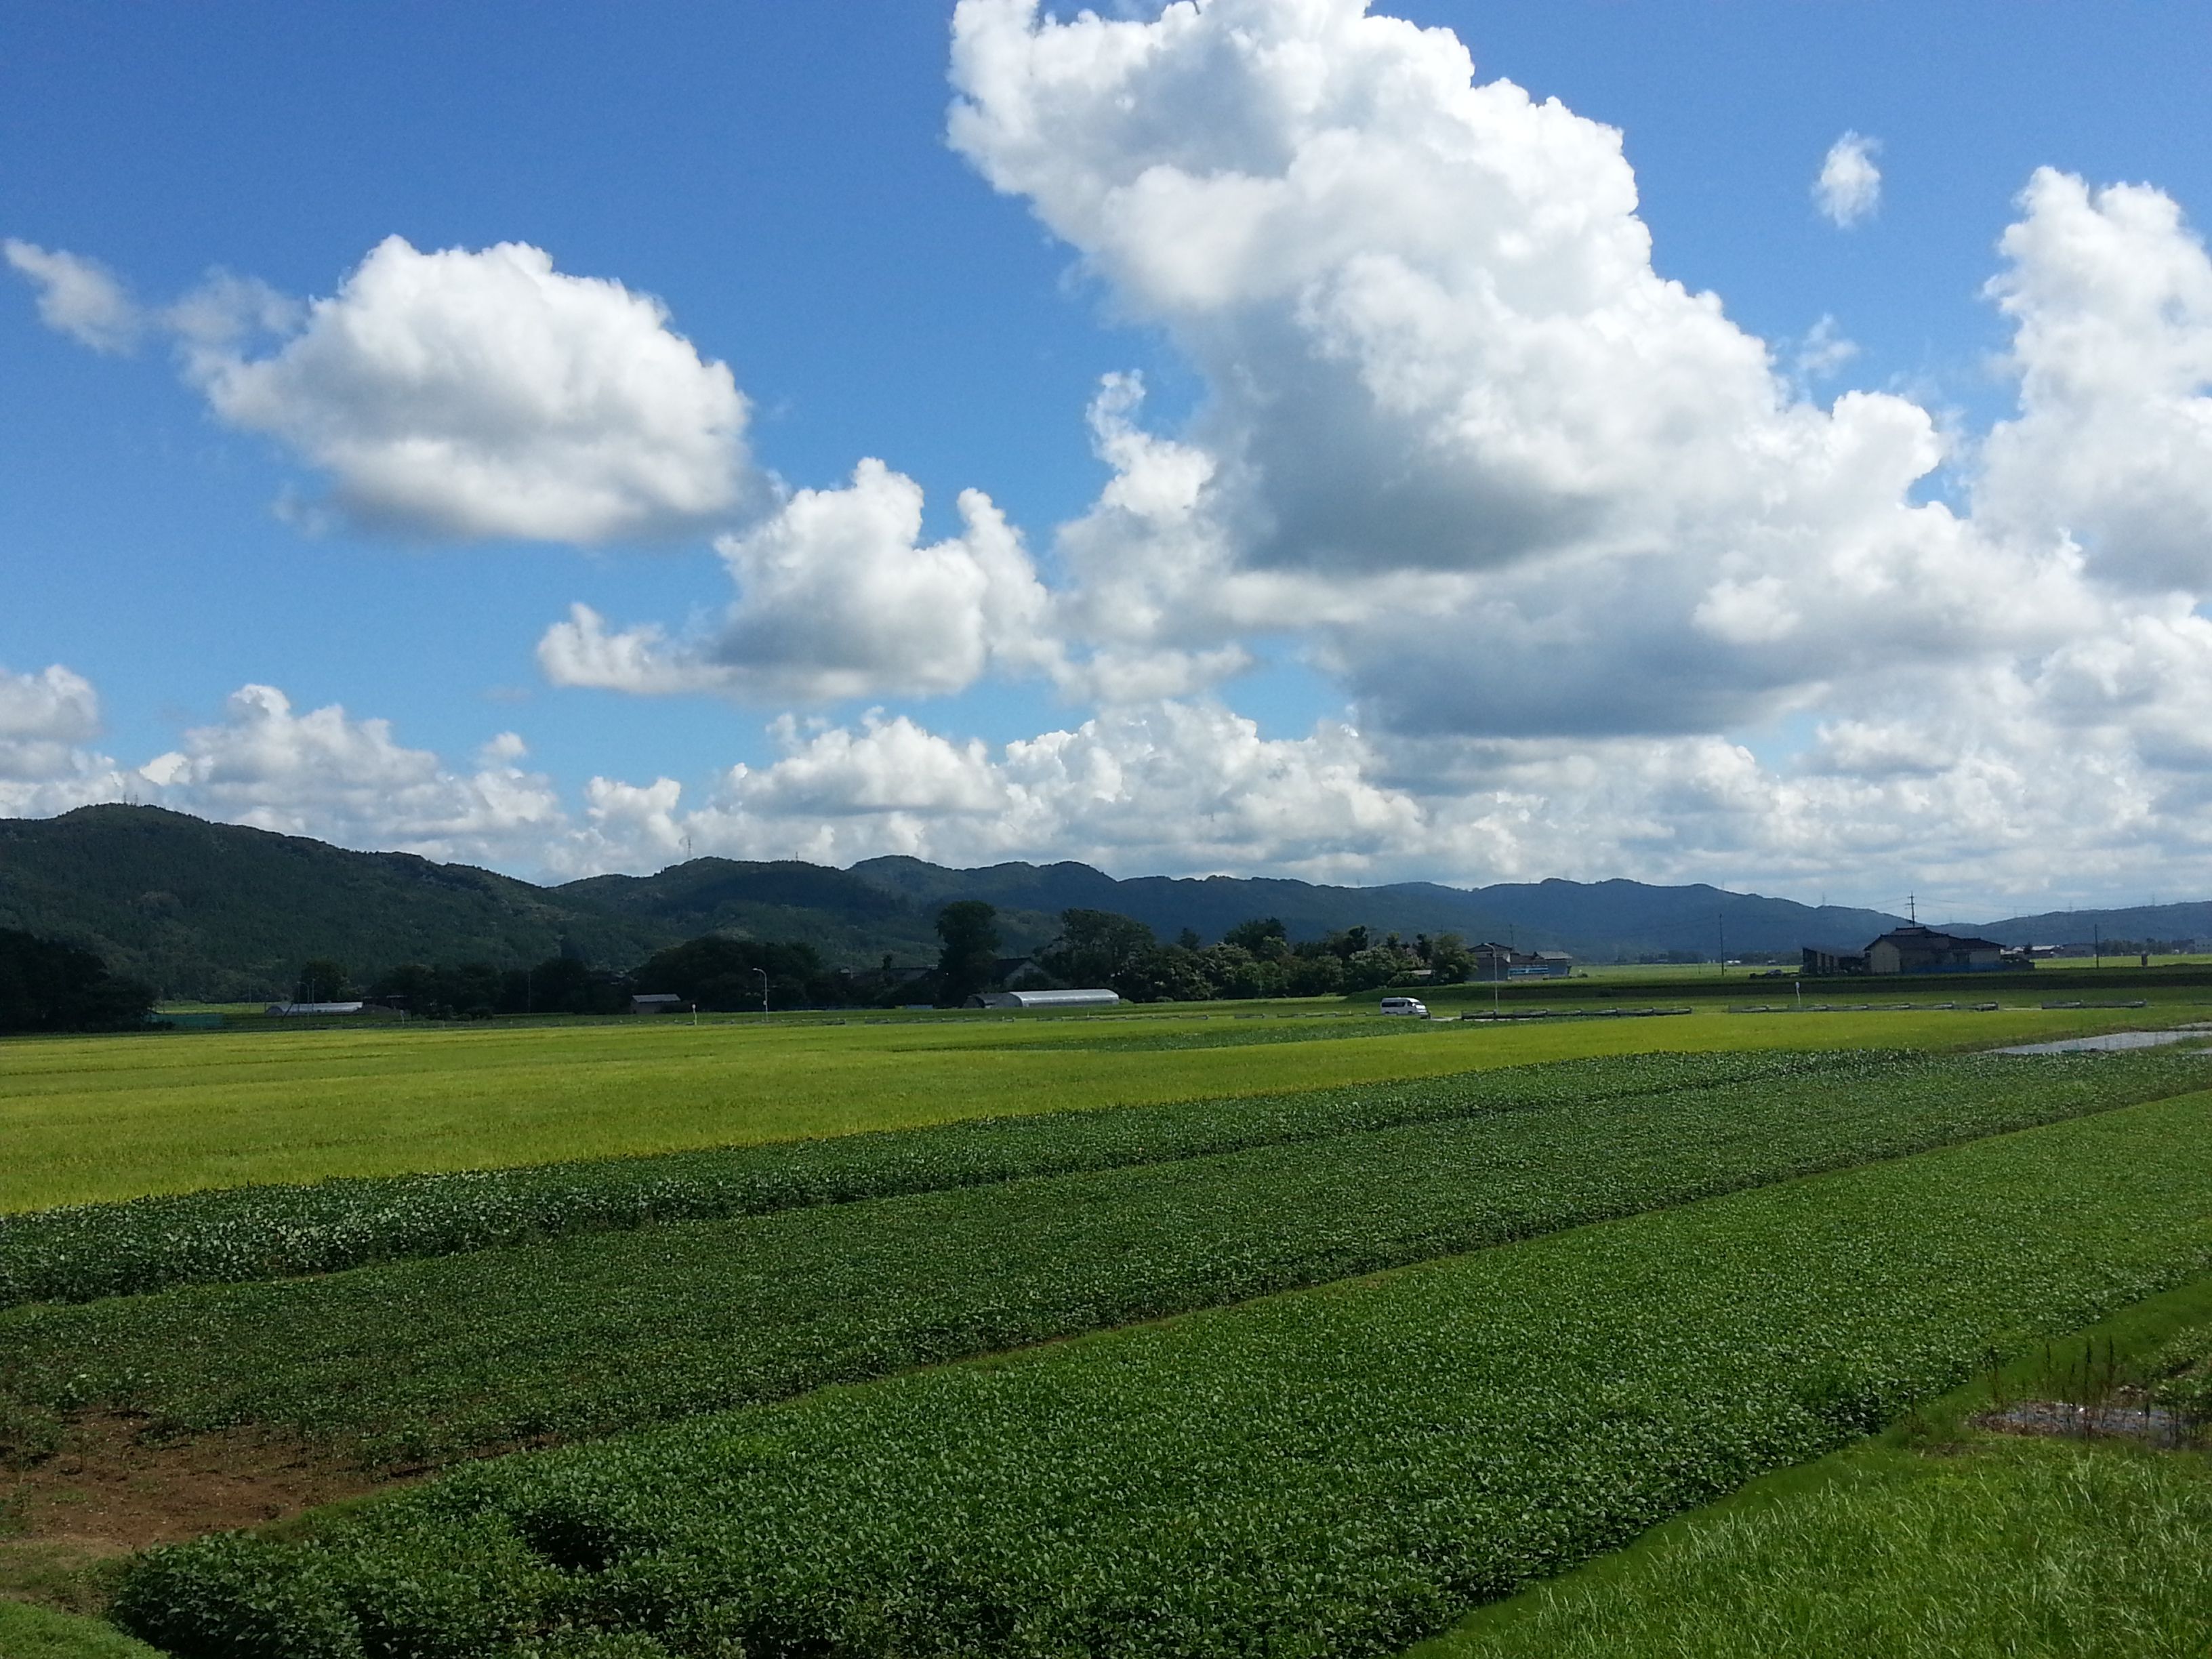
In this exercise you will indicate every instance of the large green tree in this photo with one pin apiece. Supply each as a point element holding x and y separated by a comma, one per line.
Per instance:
<point>1095,948</point>
<point>321,980</point>
<point>727,974</point>
<point>1265,937</point>
<point>969,929</point>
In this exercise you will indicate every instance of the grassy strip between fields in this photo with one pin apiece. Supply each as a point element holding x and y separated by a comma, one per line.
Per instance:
<point>1334,1472</point>
<point>1935,1539</point>
<point>613,1332</point>
<point>35,1633</point>
<point>239,1234</point>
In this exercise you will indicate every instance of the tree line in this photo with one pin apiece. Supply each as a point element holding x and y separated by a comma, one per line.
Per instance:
<point>1099,949</point>
<point>1094,948</point>
<point>712,973</point>
<point>49,985</point>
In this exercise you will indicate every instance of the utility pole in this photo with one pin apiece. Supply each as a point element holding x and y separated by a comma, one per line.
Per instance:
<point>762,972</point>
<point>1720,926</point>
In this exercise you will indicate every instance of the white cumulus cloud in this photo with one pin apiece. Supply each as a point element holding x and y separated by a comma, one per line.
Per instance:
<point>455,393</point>
<point>46,719</point>
<point>1604,585</point>
<point>484,393</point>
<point>1462,439</point>
<point>1170,786</point>
<point>327,774</point>
<point>838,596</point>
<point>1849,187</point>
<point>2111,295</point>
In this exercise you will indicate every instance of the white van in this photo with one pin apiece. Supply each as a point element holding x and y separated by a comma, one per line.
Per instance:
<point>1407,1005</point>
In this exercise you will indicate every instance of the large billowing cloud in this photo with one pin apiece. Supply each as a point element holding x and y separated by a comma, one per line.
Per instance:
<point>837,597</point>
<point>2111,295</point>
<point>1461,436</point>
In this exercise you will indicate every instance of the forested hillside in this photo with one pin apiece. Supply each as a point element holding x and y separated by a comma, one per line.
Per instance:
<point>1600,921</point>
<point>223,912</point>
<point>850,919</point>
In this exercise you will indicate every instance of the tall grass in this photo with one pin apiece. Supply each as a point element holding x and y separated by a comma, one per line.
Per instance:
<point>28,1632</point>
<point>2014,1550</point>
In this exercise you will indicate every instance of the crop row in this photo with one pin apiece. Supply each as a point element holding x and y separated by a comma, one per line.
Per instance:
<point>604,1333</point>
<point>1336,1472</point>
<point>242,1234</point>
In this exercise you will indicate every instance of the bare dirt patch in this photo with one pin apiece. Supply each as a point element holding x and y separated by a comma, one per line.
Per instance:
<point>106,1493</point>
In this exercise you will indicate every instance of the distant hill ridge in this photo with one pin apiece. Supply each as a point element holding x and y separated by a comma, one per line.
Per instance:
<point>222,912</point>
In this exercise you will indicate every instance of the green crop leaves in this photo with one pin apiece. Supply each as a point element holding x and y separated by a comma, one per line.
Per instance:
<point>1330,1472</point>
<point>242,1234</point>
<point>608,1332</point>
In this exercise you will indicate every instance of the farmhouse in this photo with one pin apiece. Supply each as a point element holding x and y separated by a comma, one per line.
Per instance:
<point>1915,950</point>
<point>1491,960</point>
<point>1918,950</point>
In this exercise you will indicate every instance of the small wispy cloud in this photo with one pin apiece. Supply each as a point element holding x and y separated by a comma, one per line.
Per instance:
<point>1824,350</point>
<point>1848,188</point>
<point>78,297</point>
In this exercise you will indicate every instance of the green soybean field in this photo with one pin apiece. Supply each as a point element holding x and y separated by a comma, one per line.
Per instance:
<point>1340,1471</point>
<point>603,1332</point>
<point>79,1252</point>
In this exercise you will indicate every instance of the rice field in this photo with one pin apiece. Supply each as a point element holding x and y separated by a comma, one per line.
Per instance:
<point>92,1119</point>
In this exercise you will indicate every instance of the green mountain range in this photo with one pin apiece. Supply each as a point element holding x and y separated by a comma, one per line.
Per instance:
<point>220,912</point>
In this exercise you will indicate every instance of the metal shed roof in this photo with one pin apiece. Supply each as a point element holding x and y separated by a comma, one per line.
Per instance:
<point>1100,998</point>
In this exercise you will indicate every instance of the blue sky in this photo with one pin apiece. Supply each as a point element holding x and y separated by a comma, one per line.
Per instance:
<point>778,179</point>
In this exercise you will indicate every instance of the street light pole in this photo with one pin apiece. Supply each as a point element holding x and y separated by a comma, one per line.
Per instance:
<point>761,974</point>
